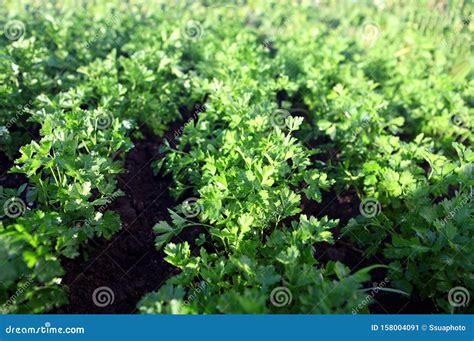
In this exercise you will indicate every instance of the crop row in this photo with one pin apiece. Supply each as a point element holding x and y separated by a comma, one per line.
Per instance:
<point>297,101</point>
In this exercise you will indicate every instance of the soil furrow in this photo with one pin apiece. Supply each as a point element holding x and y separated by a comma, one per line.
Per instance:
<point>129,263</point>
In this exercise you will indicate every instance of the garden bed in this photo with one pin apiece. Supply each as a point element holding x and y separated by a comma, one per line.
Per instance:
<point>251,158</point>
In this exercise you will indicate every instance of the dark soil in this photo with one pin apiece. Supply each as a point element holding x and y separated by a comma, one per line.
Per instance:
<point>8,180</point>
<point>345,206</point>
<point>392,303</point>
<point>129,263</point>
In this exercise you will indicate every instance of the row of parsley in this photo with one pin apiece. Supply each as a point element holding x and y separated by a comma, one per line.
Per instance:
<point>394,120</point>
<point>85,89</point>
<point>139,64</point>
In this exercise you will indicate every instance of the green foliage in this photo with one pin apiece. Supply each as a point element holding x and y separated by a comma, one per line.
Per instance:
<point>395,120</point>
<point>242,280</point>
<point>71,171</point>
<point>300,99</point>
